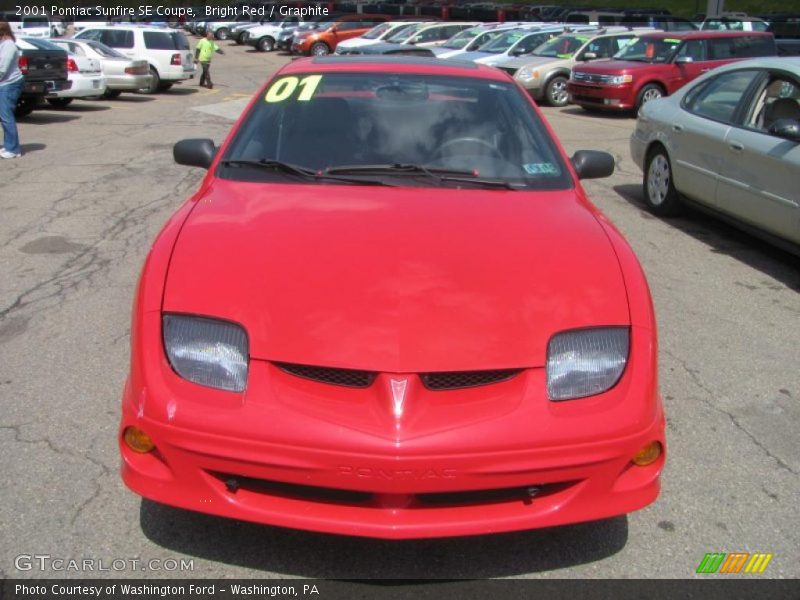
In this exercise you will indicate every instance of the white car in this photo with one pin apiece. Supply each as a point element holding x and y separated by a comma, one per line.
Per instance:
<point>122,74</point>
<point>222,29</point>
<point>79,26</point>
<point>166,51</point>
<point>379,33</point>
<point>428,35</point>
<point>85,76</point>
<point>472,39</point>
<point>516,42</point>
<point>264,37</point>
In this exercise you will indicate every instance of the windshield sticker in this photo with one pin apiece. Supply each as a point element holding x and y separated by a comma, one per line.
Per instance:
<point>540,169</point>
<point>285,87</point>
<point>672,41</point>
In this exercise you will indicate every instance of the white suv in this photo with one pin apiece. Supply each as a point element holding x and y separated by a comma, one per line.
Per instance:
<point>167,51</point>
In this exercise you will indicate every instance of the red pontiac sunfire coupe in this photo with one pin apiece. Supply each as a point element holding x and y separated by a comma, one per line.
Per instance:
<point>391,311</point>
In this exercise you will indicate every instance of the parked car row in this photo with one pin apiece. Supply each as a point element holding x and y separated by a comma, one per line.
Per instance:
<point>102,60</point>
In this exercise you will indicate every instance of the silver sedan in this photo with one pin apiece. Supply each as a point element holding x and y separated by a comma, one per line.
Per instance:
<point>728,143</point>
<point>122,74</point>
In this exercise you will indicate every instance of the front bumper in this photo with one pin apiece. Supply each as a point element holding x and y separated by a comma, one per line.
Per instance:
<point>309,455</point>
<point>606,97</point>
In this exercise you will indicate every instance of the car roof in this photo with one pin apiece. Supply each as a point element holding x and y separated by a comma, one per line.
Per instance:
<point>690,35</point>
<point>393,64</point>
<point>786,63</point>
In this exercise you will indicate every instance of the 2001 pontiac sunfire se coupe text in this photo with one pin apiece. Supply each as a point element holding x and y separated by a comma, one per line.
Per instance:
<point>391,311</point>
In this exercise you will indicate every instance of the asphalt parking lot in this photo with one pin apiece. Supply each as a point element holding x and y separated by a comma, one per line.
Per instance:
<point>95,185</point>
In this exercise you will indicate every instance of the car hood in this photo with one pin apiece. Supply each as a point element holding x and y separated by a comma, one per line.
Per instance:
<point>396,279</point>
<point>474,55</point>
<point>534,61</point>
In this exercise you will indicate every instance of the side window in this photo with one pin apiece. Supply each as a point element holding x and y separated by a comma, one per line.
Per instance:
<point>599,46</point>
<point>778,99</point>
<point>718,98</point>
<point>619,42</point>
<point>348,25</point>
<point>694,49</point>
<point>530,43</point>
<point>118,38</point>
<point>76,49</point>
<point>751,46</point>
<point>158,41</point>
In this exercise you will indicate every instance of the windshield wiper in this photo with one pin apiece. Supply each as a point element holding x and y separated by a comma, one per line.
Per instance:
<point>297,170</point>
<point>438,173</point>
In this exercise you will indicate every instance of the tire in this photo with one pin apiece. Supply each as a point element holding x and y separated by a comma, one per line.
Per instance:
<point>651,91</point>
<point>59,102</point>
<point>320,49</point>
<point>111,94</point>
<point>241,37</point>
<point>266,44</point>
<point>658,186</point>
<point>25,106</point>
<point>222,33</point>
<point>155,83</point>
<point>556,91</point>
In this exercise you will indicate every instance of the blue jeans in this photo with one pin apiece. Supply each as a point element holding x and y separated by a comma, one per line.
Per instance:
<point>9,94</point>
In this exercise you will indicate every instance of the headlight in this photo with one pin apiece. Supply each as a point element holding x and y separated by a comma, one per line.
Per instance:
<point>207,351</point>
<point>527,73</point>
<point>620,79</point>
<point>585,362</point>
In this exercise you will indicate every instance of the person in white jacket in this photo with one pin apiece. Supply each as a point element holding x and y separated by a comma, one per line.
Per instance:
<point>10,90</point>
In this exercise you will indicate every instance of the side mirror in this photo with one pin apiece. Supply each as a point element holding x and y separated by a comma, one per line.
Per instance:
<point>684,60</point>
<point>518,52</point>
<point>194,152</point>
<point>788,129</point>
<point>589,56</point>
<point>593,164</point>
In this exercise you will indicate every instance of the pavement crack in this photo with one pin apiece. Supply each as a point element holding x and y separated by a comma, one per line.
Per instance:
<point>706,400</point>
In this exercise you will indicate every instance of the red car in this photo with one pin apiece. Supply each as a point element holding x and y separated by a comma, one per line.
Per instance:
<point>390,310</point>
<point>657,64</point>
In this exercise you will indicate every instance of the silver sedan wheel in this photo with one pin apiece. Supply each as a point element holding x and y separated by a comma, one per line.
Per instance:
<point>558,92</point>
<point>658,180</point>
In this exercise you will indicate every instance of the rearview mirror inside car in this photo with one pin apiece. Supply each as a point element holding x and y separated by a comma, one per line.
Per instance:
<point>593,164</point>
<point>194,152</point>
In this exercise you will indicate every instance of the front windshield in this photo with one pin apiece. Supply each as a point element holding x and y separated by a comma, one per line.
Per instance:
<point>460,40</point>
<point>503,42</point>
<point>377,31</point>
<point>483,129</point>
<point>406,33</point>
<point>647,49</point>
<point>563,46</point>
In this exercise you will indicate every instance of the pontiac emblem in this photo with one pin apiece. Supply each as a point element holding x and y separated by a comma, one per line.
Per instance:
<point>398,396</point>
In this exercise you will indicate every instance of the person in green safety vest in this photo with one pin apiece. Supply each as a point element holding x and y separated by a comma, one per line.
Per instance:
<point>202,53</point>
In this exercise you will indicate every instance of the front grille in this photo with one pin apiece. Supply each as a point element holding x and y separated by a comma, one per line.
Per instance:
<point>345,377</point>
<point>525,493</point>
<point>327,495</point>
<point>457,380</point>
<point>293,490</point>
<point>592,77</point>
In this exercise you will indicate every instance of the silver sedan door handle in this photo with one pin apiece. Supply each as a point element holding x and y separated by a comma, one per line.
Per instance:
<point>736,146</point>
<point>677,128</point>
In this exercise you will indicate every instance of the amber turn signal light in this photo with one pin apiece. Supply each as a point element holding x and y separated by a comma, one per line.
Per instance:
<point>137,440</point>
<point>648,454</point>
